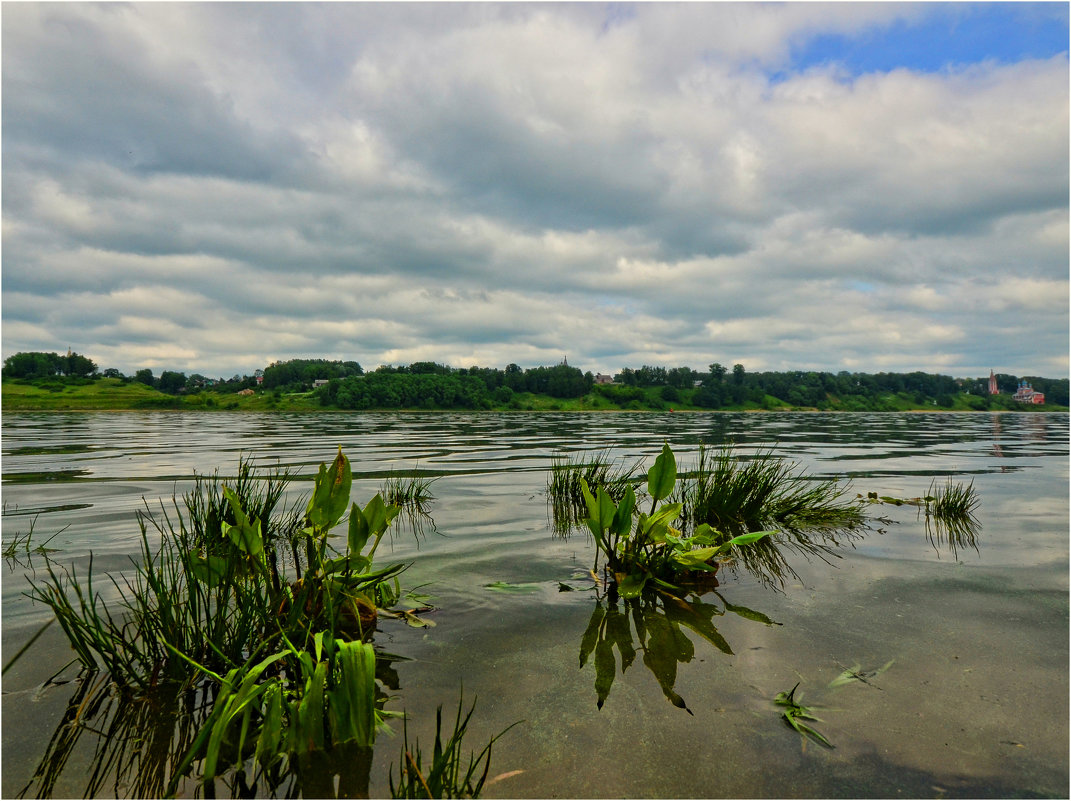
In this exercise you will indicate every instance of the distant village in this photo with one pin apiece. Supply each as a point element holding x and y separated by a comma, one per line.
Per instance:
<point>1024,393</point>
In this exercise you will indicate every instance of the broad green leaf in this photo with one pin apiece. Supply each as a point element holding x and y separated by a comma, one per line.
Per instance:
<point>606,509</point>
<point>696,560</point>
<point>375,514</point>
<point>331,495</point>
<point>353,562</point>
<point>662,476</point>
<point>245,533</point>
<point>208,570</point>
<point>622,522</point>
<point>351,702</point>
<point>632,585</point>
<point>589,500</point>
<point>271,729</point>
<point>505,586</point>
<point>417,622</point>
<point>659,520</point>
<point>359,530</point>
<point>310,713</point>
<point>747,539</point>
<point>696,556</point>
<point>705,535</point>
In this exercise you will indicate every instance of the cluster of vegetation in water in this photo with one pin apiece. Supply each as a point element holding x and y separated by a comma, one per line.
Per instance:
<point>250,625</point>
<point>48,381</point>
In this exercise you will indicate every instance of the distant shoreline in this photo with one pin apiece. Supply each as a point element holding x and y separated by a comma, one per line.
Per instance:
<point>113,395</point>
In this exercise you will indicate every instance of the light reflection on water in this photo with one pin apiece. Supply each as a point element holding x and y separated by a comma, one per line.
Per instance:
<point>978,637</point>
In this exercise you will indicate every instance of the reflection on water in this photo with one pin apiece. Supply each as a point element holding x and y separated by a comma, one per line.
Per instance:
<point>952,534</point>
<point>651,626</point>
<point>136,744</point>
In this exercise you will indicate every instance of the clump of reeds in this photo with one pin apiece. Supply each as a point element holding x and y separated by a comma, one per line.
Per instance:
<point>812,516</point>
<point>198,593</point>
<point>950,516</point>
<point>569,474</point>
<point>952,501</point>
<point>23,545</point>
<point>726,492</point>
<point>446,776</point>
<point>408,492</point>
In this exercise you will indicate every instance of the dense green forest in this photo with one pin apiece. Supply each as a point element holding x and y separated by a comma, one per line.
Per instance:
<point>327,384</point>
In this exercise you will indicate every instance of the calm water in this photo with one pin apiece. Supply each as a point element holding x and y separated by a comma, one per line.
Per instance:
<point>974,703</point>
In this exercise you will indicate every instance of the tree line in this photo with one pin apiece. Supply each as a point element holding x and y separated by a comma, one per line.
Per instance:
<point>345,385</point>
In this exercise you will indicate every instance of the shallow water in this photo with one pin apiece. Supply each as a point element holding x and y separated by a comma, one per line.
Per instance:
<point>974,703</point>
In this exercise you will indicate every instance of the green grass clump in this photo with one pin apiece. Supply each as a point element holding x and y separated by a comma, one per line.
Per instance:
<point>811,516</point>
<point>950,519</point>
<point>952,501</point>
<point>408,492</point>
<point>569,474</point>
<point>724,491</point>
<point>446,776</point>
<point>245,602</point>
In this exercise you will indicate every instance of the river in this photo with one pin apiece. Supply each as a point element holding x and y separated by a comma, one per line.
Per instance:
<point>963,646</point>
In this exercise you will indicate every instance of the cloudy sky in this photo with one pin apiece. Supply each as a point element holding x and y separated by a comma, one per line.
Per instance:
<point>854,186</point>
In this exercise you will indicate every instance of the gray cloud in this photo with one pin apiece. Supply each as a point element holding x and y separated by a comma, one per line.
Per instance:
<point>211,187</point>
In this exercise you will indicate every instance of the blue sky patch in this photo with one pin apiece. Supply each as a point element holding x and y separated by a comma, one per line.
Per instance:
<point>953,34</point>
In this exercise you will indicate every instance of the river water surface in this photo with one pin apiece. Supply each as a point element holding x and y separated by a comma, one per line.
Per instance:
<point>963,645</point>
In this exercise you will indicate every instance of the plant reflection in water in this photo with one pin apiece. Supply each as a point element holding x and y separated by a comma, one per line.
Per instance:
<point>652,626</point>
<point>138,743</point>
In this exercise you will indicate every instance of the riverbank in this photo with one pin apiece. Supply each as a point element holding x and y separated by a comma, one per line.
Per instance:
<point>115,395</point>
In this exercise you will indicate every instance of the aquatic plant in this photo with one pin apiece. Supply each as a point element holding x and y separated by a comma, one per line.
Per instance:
<point>948,513</point>
<point>22,545</point>
<point>795,713</point>
<point>565,493</point>
<point>218,586</point>
<point>444,777</point>
<point>408,492</point>
<point>811,516</point>
<point>952,501</point>
<point>257,611</point>
<point>856,674</point>
<point>651,550</point>
<point>726,492</point>
<point>413,496</point>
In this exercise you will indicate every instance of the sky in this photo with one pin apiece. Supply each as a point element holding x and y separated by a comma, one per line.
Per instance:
<point>213,187</point>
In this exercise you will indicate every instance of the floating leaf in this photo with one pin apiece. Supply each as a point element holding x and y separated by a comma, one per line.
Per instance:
<point>505,586</point>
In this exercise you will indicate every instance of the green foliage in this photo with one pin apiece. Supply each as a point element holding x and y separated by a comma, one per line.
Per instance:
<point>951,501</point>
<point>446,776</point>
<point>409,492</point>
<point>171,382</point>
<point>794,713</point>
<point>651,550</point>
<point>35,364</point>
<point>299,374</point>
<point>568,476</point>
